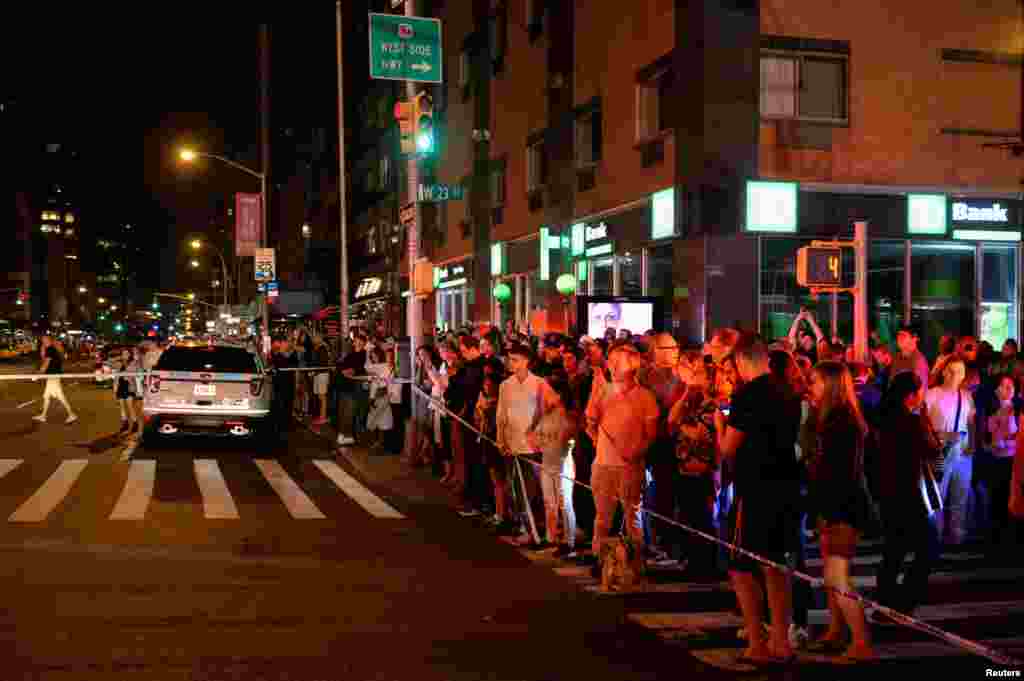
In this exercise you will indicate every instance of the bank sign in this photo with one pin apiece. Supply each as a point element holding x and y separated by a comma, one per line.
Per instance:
<point>995,213</point>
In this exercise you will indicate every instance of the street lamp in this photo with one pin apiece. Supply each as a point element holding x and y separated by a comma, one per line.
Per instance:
<point>188,155</point>
<point>82,289</point>
<point>194,263</point>
<point>196,244</point>
<point>101,300</point>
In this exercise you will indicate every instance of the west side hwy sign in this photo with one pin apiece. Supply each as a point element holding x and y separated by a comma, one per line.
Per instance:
<point>405,48</point>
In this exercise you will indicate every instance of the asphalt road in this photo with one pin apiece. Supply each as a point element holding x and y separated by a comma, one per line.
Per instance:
<point>202,560</point>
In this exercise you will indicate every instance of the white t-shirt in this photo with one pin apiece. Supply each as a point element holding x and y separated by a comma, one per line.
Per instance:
<point>941,404</point>
<point>519,406</point>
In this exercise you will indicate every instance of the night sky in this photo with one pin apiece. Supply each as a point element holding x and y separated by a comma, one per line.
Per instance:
<point>127,88</point>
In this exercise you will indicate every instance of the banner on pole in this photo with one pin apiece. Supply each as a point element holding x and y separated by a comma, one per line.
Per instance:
<point>248,215</point>
<point>264,258</point>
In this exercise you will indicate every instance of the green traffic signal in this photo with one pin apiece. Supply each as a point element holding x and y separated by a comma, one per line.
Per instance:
<point>424,136</point>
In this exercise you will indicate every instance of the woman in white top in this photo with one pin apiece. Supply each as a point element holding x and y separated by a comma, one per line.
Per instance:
<point>951,411</point>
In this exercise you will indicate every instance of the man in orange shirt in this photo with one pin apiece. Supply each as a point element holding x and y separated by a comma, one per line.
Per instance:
<point>622,418</point>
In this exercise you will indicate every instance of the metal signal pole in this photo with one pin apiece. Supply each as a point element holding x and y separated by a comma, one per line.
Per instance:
<point>342,205</point>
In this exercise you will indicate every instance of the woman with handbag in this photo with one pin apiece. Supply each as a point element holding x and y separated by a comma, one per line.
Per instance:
<point>950,408</point>
<point>909,495</point>
<point>832,440</point>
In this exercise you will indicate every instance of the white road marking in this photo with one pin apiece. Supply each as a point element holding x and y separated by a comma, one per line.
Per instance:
<point>370,502</point>
<point>8,465</point>
<point>51,493</point>
<point>703,621</point>
<point>295,500</point>
<point>137,492</point>
<point>217,501</point>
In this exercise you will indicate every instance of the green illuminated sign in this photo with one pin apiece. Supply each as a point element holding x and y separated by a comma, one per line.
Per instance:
<point>927,214</point>
<point>663,214</point>
<point>771,206</point>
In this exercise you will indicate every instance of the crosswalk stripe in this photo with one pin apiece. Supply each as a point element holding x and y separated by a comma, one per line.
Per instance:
<point>876,559</point>
<point>137,492</point>
<point>8,465</point>
<point>51,493</point>
<point>217,501</point>
<point>295,500</point>
<point>370,502</point>
<point>703,621</point>
<point>726,658</point>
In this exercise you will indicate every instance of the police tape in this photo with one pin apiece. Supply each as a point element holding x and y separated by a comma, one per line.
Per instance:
<point>979,649</point>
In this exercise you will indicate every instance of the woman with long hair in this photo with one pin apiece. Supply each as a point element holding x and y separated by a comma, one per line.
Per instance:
<point>833,447</point>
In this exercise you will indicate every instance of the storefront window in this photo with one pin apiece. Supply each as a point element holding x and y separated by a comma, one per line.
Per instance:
<point>659,280</point>
<point>602,277</point>
<point>943,291</point>
<point>631,273</point>
<point>886,274</point>
<point>999,294</point>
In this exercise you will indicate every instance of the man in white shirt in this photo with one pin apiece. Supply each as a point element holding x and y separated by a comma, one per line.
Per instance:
<point>519,408</point>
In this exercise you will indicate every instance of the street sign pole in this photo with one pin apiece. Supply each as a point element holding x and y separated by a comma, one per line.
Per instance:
<point>414,314</point>
<point>860,294</point>
<point>343,236</point>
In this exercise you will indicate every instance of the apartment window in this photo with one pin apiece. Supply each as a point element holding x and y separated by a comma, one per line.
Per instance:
<point>535,10</point>
<point>498,187</point>
<point>497,30</point>
<point>464,68</point>
<point>536,167</point>
<point>588,139</point>
<point>371,240</point>
<point>807,87</point>
<point>653,99</point>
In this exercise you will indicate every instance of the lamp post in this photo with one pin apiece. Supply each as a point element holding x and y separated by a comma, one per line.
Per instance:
<point>189,155</point>
<point>197,245</point>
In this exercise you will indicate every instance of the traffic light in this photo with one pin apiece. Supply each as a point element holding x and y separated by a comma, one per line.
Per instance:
<point>819,267</point>
<point>403,114</point>
<point>423,110</point>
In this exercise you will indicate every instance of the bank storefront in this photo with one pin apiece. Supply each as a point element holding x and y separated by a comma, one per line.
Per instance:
<point>948,263</point>
<point>628,251</point>
<point>453,293</point>
<point>517,292</point>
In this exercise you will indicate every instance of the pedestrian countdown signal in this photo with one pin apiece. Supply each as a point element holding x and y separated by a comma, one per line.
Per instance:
<point>819,268</point>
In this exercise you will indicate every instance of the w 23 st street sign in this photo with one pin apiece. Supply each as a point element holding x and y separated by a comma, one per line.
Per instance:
<point>405,48</point>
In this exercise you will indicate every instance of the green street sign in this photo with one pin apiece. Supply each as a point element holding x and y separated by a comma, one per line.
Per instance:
<point>439,193</point>
<point>405,48</point>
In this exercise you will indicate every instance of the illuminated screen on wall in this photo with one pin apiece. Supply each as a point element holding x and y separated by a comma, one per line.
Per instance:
<point>600,313</point>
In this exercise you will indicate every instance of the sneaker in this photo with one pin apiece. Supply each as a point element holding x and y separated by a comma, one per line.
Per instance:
<point>468,512</point>
<point>345,441</point>
<point>565,551</point>
<point>40,418</point>
<point>798,637</point>
<point>71,419</point>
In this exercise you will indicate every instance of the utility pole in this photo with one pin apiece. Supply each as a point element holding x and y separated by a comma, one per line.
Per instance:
<point>413,317</point>
<point>342,179</point>
<point>265,166</point>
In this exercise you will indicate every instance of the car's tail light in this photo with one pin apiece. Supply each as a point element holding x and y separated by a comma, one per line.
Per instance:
<point>256,386</point>
<point>154,384</point>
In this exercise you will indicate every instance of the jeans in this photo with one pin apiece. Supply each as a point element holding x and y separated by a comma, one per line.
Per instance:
<point>557,485</point>
<point>907,529</point>
<point>612,484</point>
<point>955,488</point>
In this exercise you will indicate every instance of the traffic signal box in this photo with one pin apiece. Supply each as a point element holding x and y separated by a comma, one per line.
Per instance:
<point>819,267</point>
<point>423,113</point>
<point>404,116</point>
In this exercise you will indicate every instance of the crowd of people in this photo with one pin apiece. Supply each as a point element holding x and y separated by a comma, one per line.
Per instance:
<point>762,444</point>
